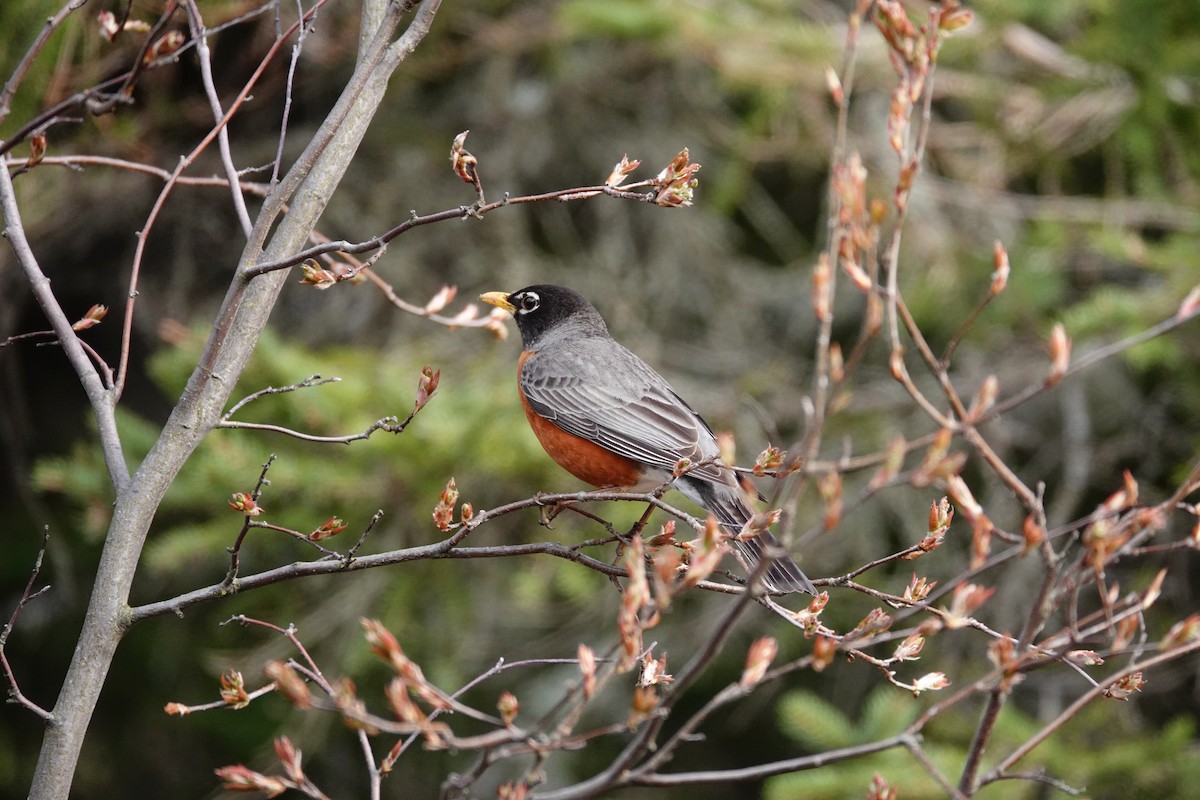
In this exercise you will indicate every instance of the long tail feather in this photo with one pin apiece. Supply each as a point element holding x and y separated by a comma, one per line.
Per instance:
<point>726,504</point>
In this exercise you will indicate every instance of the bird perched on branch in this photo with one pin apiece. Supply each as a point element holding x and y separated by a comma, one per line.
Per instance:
<point>609,419</point>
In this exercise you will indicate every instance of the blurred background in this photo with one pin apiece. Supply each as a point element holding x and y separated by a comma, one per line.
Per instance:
<point>1066,130</point>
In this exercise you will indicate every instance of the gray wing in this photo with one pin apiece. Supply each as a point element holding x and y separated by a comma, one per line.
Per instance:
<point>632,412</point>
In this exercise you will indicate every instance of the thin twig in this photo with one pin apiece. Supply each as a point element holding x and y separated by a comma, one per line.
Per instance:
<point>14,690</point>
<point>160,201</point>
<point>461,212</point>
<point>1029,744</point>
<point>22,69</point>
<point>236,550</point>
<point>200,37</point>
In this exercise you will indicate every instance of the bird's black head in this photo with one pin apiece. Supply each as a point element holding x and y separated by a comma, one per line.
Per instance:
<point>543,308</point>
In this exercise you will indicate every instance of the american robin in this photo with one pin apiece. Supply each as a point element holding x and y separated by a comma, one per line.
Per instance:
<point>609,419</point>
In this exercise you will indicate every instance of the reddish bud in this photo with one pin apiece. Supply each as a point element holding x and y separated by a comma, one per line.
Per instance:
<point>963,499</point>
<point>837,364</point>
<point>758,524</point>
<point>768,460</point>
<point>981,540</point>
<point>667,562</point>
<point>177,709</point>
<point>496,324</point>
<point>465,165</point>
<point>510,790</point>
<point>240,778</point>
<point>1123,687</point>
<point>233,689</point>
<point>985,398</point>
<point>1003,655</point>
<point>1123,632</point>
<point>645,700</point>
<point>1033,534</point>
<point>822,289</point>
<point>676,182</point>
<point>874,321</point>
<point>427,385</point>
<point>941,514</point>
<point>829,486</point>
<point>1183,632</point>
<point>401,702</point>
<point>705,553</point>
<point>918,589</point>
<point>966,599</point>
<point>329,528</point>
<point>665,536</point>
<point>654,671</point>
<point>1190,305</point>
<point>876,621</point>
<point>166,44</point>
<point>352,709</point>
<point>1085,658</point>
<point>880,790</point>
<point>1060,354</point>
<point>930,682</point>
<point>108,25</point>
<point>245,503</point>
<point>834,84</point>
<point>910,649</point>
<point>441,299</point>
<point>587,666</point>
<point>1000,269</point>
<point>896,365</point>
<point>289,683</point>
<point>824,649</point>
<point>762,652</point>
<point>315,275</point>
<point>382,642</point>
<point>1154,590</point>
<point>956,19</point>
<point>290,758</point>
<point>809,619</point>
<point>858,276</point>
<point>37,149</point>
<point>622,170</point>
<point>91,318</point>
<point>508,706</point>
<point>468,313</point>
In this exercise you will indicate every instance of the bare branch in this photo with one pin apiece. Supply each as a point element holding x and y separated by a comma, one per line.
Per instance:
<point>461,212</point>
<point>1001,769</point>
<point>184,163</point>
<point>18,74</point>
<point>99,397</point>
<point>200,37</point>
<point>14,689</point>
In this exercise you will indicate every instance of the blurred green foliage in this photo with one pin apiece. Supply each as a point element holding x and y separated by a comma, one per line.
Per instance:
<point>1106,751</point>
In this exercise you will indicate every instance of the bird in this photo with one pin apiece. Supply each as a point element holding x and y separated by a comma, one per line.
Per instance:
<point>611,420</point>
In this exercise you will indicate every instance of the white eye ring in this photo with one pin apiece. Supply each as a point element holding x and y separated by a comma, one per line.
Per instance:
<point>529,302</point>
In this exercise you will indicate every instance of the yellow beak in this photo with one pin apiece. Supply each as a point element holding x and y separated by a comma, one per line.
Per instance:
<point>499,300</point>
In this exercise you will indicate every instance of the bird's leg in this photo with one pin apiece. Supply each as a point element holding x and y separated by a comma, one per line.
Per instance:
<point>640,525</point>
<point>549,510</point>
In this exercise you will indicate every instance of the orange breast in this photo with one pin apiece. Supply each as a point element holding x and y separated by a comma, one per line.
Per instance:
<point>584,459</point>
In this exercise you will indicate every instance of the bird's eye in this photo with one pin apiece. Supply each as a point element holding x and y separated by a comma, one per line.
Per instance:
<point>529,301</point>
